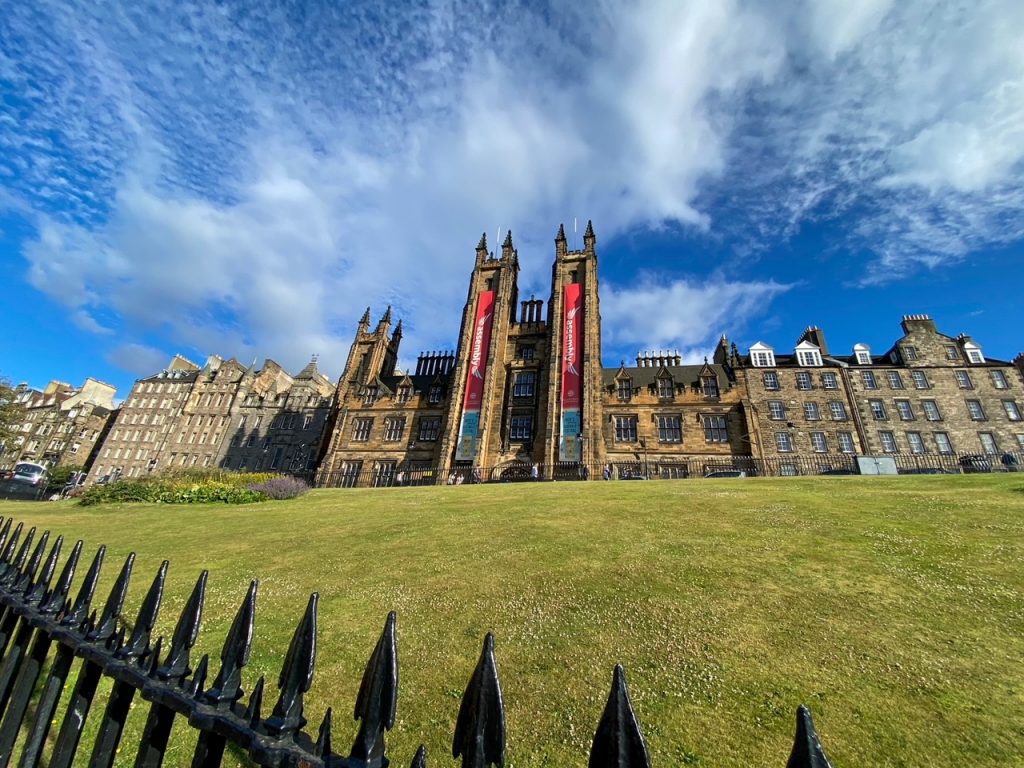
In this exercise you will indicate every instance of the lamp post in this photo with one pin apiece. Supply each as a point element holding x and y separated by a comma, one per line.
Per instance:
<point>643,447</point>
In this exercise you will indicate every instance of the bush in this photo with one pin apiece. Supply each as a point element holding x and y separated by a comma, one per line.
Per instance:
<point>183,486</point>
<point>282,487</point>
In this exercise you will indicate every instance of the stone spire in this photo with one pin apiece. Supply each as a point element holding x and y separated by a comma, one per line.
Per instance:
<point>481,249</point>
<point>386,319</point>
<point>589,238</point>
<point>561,244</point>
<point>507,252</point>
<point>364,323</point>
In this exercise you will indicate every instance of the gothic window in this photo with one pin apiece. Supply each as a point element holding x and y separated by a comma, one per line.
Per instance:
<point>715,430</point>
<point>625,389</point>
<point>361,430</point>
<point>393,429</point>
<point>666,388</point>
<point>524,384</point>
<point>670,429</point>
<point>625,429</point>
<point>521,429</point>
<point>430,428</point>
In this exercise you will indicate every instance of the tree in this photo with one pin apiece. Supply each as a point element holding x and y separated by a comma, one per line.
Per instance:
<point>11,416</point>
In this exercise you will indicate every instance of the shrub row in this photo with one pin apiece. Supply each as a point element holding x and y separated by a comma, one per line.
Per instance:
<point>196,486</point>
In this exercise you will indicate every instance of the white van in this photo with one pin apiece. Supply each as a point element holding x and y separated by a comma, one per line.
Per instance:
<point>28,472</point>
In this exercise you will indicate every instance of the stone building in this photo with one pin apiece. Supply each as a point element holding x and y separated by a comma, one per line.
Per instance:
<point>930,393</point>
<point>663,419</point>
<point>146,423</point>
<point>799,405</point>
<point>277,422</point>
<point>62,424</point>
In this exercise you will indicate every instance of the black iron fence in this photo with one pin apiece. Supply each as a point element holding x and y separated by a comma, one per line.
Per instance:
<point>388,473</point>
<point>39,616</point>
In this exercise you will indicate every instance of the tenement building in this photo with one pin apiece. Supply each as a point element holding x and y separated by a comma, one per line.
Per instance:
<point>222,414</point>
<point>62,425</point>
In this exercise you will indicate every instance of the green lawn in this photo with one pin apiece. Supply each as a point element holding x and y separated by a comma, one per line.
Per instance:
<point>894,608</point>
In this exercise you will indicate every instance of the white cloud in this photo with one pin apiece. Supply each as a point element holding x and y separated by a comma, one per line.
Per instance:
<point>662,314</point>
<point>246,183</point>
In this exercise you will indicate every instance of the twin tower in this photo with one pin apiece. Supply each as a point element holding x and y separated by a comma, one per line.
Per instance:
<point>523,387</point>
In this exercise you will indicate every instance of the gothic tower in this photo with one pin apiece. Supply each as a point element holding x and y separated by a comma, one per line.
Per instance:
<point>573,430</point>
<point>474,417</point>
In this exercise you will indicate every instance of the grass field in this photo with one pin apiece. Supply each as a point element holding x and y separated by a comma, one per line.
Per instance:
<point>894,608</point>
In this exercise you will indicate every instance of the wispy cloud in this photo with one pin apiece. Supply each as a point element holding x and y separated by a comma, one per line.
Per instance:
<point>246,178</point>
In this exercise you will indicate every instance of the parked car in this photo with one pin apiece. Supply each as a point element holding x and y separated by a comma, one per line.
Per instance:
<point>838,471</point>
<point>31,473</point>
<point>975,462</point>
<point>726,473</point>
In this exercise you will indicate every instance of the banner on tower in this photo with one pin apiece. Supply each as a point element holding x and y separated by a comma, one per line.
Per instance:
<point>569,448</point>
<point>472,402</point>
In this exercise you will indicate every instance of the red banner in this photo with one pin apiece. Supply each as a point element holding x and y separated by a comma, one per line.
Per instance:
<point>571,356</point>
<point>479,349</point>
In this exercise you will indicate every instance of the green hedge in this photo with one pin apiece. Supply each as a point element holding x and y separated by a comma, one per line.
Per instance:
<point>181,486</point>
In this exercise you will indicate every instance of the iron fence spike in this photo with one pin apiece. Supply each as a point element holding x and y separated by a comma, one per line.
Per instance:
<point>807,750</point>
<point>79,610</point>
<point>14,568</point>
<point>36,591</point>
<point>56,598</point>
<point>153,657</point>
<point>138,641</point>
<point>227,686</point>
<point>175,666</point>
<point>106,625</point>
<point>420,760</point>
<point>322,748</point>
<point>195,687</point>
<point>27,577</point>
<point>12,545</point>
<point>252,711</point>
<point>377,699</point>
<point>4,533</point>
<point>296,674</point>
<point>618,742</point>
<point>480,727</point>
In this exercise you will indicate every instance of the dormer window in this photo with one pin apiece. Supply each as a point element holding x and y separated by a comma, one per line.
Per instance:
<point>625,389</point>
<point>709,385</point>
<point>862,354</point>
<point>762,356</point>
<point>666,388</point>
<point>973,352</point>
<point>369,395</point>
<point>808,355</point>
<point>435,394</point>
<point>403,394</point>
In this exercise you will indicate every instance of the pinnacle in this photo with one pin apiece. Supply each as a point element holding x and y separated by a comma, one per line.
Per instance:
<point>560,238</point>
<point>482,245</point>
<point>508,240</point>
<point>590,229</point>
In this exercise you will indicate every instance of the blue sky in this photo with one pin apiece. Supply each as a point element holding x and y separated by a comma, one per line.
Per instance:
<point>244,178</point>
